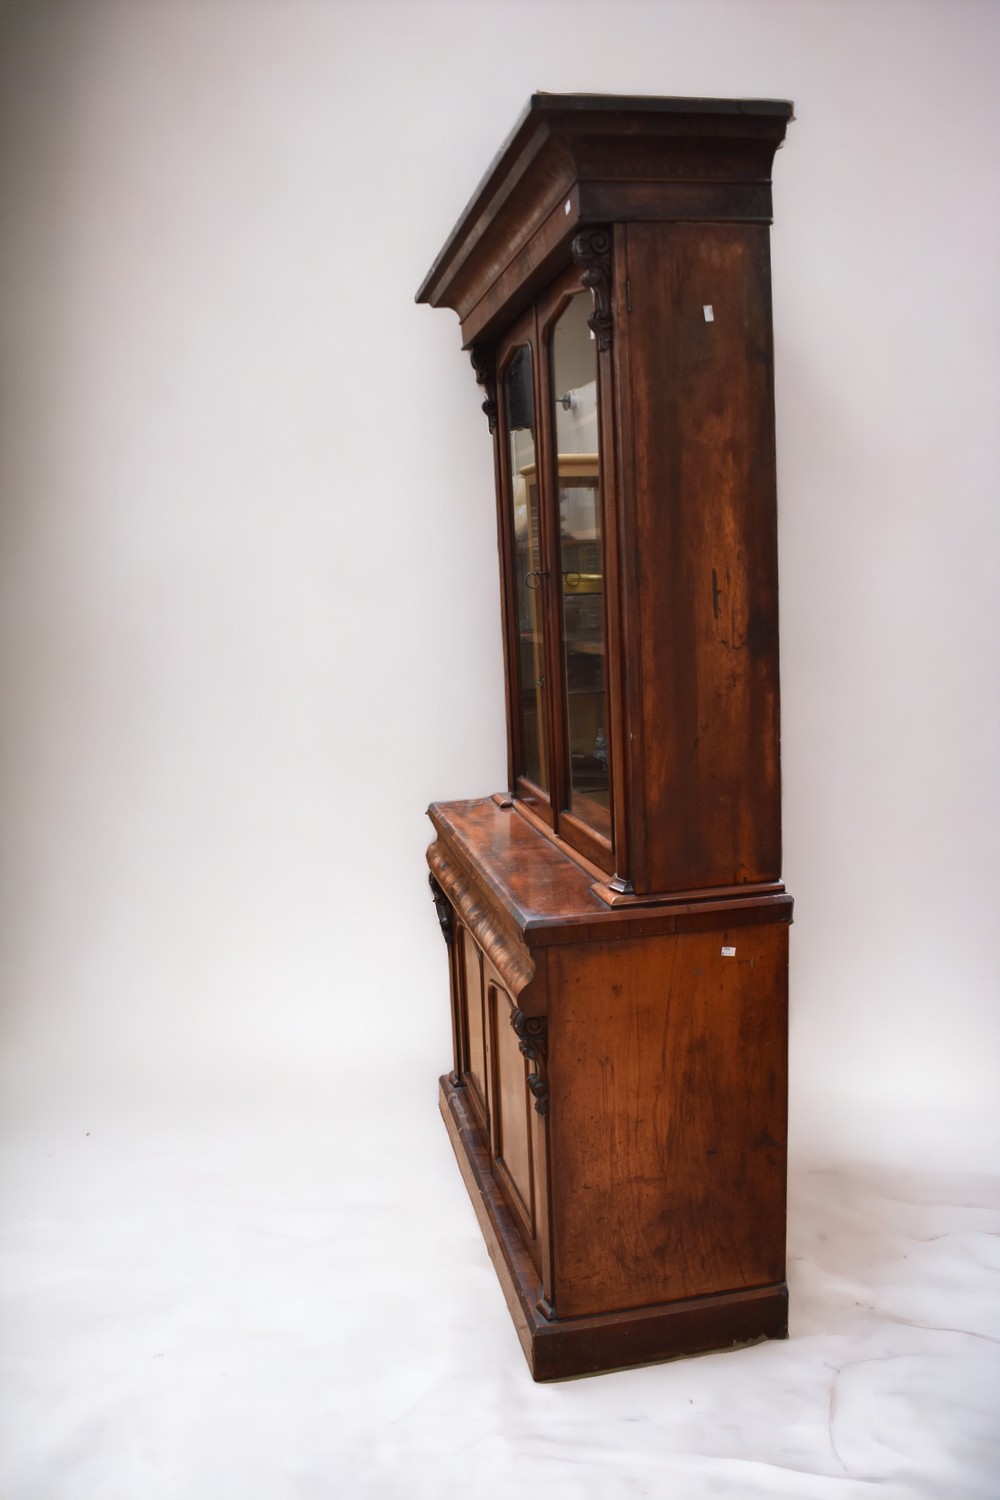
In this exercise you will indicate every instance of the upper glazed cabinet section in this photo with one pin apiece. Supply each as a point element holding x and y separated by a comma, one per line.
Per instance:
<point>582,159</point>
<point>612,277</point>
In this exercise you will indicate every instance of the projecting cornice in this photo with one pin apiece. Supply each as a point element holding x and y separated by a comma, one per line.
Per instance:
<point>579,160</point>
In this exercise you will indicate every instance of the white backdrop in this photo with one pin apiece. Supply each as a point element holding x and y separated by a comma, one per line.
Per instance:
<point>249,594</point>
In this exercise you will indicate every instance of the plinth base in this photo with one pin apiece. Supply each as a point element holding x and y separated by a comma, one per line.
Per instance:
<point>558,1348</point>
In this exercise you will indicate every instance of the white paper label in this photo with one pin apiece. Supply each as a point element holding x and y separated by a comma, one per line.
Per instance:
<point>709,314</point>
<point>729,952</point>
<point>567,206</point>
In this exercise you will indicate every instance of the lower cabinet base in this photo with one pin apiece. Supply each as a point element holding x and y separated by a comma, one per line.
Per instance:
<point>557,1349</point>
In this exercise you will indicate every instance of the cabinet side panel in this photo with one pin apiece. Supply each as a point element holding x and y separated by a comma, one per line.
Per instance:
<point>703,417</point>
<point>667,1064</point>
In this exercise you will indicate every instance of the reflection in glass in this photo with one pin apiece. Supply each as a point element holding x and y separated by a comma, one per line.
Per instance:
<point>519,396</point>
<point>574,376</point>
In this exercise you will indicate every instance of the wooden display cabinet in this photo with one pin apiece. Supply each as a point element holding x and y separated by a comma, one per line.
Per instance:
<point>616,922</point>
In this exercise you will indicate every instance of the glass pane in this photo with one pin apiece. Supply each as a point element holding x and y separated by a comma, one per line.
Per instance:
<point>519,404</point>
<point>574,375</point>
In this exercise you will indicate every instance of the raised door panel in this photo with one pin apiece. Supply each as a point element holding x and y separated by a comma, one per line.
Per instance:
<point>514,1133</point>
<point>668,1074</point>
<point>475,1066</point>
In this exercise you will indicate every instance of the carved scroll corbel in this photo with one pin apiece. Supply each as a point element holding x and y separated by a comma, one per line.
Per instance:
<point>485,366</point>
<point>592,252</point>
<point>533,1034</point>
<point>443,908</point>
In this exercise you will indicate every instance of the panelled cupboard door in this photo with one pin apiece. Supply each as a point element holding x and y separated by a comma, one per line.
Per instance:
<point>519,1136</point>
<point>512,1149</point>
<point>495,1074</point>
<point>475,1066</point>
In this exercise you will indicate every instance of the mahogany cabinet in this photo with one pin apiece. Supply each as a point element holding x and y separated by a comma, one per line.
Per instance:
<point>615,918</point>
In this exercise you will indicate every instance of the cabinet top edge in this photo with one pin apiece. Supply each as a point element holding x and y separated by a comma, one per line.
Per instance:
<point>609,115</point>
<point>677,104</point>
<point>552,900</point>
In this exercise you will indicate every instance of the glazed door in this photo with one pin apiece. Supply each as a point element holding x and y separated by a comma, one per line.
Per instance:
<point>573,460</point>
<point>554,523</point>
<point>527,551</point>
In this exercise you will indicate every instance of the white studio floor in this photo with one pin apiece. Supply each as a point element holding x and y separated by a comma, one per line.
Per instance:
<point>295,1308</point>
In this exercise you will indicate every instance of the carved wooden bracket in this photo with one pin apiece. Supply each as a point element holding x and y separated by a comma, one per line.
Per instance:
<point>443,908</point>
<point>533,1034</point>
<point>484,364</point>
<point>592,252</point>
